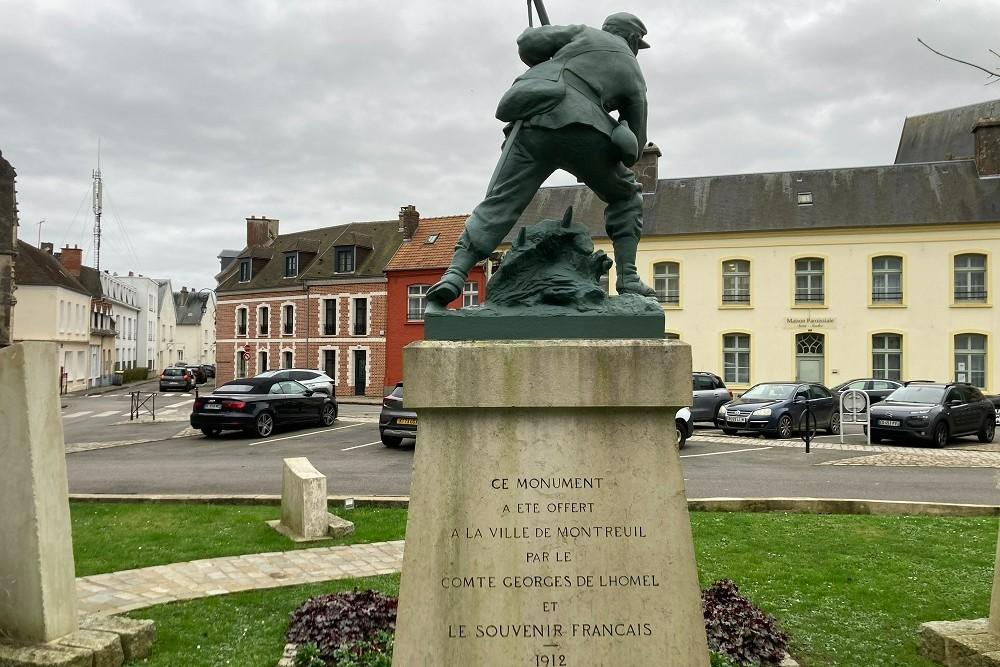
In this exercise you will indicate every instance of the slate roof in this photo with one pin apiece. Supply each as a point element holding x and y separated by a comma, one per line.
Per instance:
<point>377,241</point>
<point>91,279</point>
<point>943,135</point>
<point>419,254</point>
<point>187,306</point>
<point>34,267</point>
<point>163,292</point>
<point>883,196</point>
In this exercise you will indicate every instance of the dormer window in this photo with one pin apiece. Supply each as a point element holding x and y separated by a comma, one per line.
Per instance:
<point>244,270</point>
<point>345,259</point>
<point>291,264</point>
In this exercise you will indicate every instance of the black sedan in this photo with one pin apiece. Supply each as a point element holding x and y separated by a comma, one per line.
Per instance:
<point>877,389</point>
<point>259,405</point>
<point>395,422</point>
<point>935,412</point>
<point>777,409</point>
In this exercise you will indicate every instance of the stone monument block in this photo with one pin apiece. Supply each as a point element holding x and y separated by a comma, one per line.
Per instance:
<point>303,505</point>
<point>548,523</point>
<point>37,577</point>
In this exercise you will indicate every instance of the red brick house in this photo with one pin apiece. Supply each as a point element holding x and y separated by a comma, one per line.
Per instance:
<point>418,264</point>
<point>311,299</point>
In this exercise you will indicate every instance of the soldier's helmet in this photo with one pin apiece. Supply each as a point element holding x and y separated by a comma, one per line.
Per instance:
<point>626,24</point>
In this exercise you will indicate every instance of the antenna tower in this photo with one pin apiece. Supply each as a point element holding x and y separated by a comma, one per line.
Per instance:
<point>98,207</point>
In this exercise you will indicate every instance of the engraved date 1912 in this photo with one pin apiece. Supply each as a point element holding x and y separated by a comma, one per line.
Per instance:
<point>550,660</point>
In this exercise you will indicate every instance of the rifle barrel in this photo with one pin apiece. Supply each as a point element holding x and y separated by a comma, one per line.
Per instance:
<point>543,16</point>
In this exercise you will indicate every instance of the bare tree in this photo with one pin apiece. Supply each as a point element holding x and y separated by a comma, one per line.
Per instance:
<point>994,74</point>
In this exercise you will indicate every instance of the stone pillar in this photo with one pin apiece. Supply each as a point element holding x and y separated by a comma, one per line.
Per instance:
<point>37,578</point>
<point>303,505</point>
<point>548,522</point>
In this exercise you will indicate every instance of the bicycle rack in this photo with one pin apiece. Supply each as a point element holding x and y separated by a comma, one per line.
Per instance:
<point>139,403</point>
<point>857,404</point>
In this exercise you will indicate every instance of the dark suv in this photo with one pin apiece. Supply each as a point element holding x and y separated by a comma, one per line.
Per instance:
<point>395,422</point>
<point>710,394</point>
<point>934,411</point>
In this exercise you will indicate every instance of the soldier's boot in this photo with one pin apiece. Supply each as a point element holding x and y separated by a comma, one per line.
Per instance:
<point>628,281</point>
<point>452,282</point>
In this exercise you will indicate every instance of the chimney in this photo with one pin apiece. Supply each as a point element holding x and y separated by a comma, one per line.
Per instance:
<point>646,169</point>
<point>71,259</point>
<point>131,275</point>
<point>47,247</point>
<point>261,231</point>
<point>409,218</point>
<point>987,133</point>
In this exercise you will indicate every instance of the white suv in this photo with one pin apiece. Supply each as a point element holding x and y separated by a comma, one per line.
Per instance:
<point>315,380</point>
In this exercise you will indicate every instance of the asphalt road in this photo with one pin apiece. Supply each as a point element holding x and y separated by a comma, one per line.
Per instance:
<point>166,456</point>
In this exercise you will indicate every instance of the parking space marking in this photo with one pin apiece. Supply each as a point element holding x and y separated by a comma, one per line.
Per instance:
<point>729,451</point>
<point>77,414</point>
<point>300,435</point>
<point>369,444</point>
<point>106,414</point>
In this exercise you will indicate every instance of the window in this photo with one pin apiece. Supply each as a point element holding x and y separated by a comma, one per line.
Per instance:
<point>703,382</point>
<point>736,358</point>
<point>329,317</point>
<point>288,319</point>
<point>263,320</point>
<point>345,260</point>
<point>887,356</point>
<point>470,294</point>
<point>416,302</point>
<point>887,280</point>
<point>970,359</point>
<point>667,282</point>
<point>805,198</point>
<point>432,239</point>
<point>291,264</point>
<point>244,270</point>
<point>809,280</point>
<point>286,359</point>
<point>261,361</point>
<point>241,322</point>
<point>330,363</point>
<point>360,317</point>
<point>970,278</point>
<point>736,282</point>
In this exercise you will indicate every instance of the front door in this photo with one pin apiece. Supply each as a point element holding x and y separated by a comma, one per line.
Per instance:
<point>360,371</point>
<point>809,353</point>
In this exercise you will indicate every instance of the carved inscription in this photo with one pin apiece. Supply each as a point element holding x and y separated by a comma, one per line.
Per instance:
<point>567,531</point>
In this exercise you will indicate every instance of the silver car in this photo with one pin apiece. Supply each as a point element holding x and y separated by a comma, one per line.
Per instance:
<point>315,380</point>
<point>710,394</point>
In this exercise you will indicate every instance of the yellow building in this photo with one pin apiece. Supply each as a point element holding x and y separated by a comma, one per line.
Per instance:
<point>829,275</point>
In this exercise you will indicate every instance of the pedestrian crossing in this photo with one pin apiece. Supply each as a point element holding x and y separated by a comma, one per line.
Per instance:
<point>163,393</point>
<point>165,410</point>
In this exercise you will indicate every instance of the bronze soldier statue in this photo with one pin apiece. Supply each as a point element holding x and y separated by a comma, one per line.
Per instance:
<point>558,118</point>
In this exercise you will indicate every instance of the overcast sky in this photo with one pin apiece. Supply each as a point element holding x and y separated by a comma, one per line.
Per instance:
<point>323,112</point>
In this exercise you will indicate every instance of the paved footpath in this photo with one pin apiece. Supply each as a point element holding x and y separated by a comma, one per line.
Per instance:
<point>118,592</point>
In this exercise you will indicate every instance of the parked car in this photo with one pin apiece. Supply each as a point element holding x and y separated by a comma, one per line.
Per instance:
<point>710,394</point>
<point>196,370</point>
<point>996,404</point>
<point>315,380</point>
<point>209,370</point>
<point>934,411</point>
<point>395,422</point>
<point>259,406</point>
<point>685,426</point>
<point>877,389</point>
<point>776,409</point>
<point>176,377</point>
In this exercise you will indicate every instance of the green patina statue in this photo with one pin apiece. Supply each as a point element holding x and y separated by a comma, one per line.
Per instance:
<point>558,118</point>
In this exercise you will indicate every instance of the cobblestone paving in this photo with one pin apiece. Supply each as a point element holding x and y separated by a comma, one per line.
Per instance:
<point>118,592</point>
<point>966,455</point>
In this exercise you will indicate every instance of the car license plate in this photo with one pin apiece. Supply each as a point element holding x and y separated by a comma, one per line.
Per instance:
<point>888,422</point>
<point>406,422</point>
<point>213,406</point>
<point>736,420</point>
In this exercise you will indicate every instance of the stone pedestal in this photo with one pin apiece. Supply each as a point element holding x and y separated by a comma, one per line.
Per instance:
<point>37,578</point>
<point>548,524</point>
<point>303,505</point>
<point>994,620</point>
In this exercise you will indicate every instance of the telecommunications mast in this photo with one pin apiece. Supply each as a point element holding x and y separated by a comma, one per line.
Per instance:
<point>98,206</point>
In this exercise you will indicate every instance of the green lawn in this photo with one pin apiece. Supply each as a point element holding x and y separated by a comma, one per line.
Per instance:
<point>849,590</point>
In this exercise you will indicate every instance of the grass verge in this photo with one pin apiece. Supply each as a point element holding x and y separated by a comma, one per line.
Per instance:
<point>849,590</point>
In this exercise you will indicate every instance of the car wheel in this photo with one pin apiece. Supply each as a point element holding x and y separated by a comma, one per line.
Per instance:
<point>834,427</point>
<point>785,426</point>
<point>988,430</point>
<point>211,432</point>
<point>264,425</point>
<point>390,441</point>
<point>329,414</point>
<point>715,419</point>
<point>682,436</point>
<point>729,431</point>
<point>940,437</point>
